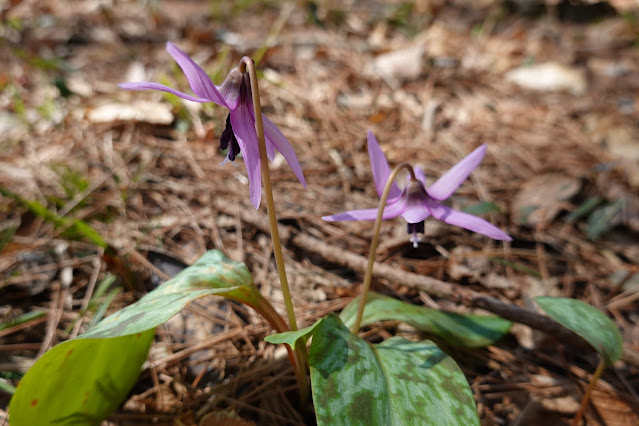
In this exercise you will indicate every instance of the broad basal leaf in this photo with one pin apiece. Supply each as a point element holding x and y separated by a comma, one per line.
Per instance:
<point>213,273</point>
<point>456,329</point>
<point>588,322</point>
<point>80,381</point>
<point>397,382</point>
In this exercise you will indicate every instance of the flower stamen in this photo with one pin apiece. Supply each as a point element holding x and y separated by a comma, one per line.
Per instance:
<point>413,229</point>
<point>228,140</point>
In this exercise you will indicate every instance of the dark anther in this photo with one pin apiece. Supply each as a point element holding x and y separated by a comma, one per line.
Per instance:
<point>415,228</point>
<point>228,138</point>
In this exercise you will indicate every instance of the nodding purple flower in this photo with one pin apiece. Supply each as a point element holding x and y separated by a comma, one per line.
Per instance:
<point>239,134</point>
<point>416,203</point>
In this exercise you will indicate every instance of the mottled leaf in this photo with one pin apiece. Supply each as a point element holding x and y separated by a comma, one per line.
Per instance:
<point>213,273</point>
<point>397,382</point>
<point>80,381</point>
<point>588,322</point>
<point>456,329</point>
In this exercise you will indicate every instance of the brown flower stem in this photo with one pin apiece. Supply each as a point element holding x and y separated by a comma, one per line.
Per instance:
<point>263,307</point>
<point>375,240</point>
<point>301,355</point>
<point>586,398</point>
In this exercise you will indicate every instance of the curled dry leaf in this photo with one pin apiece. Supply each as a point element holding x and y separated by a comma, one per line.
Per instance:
<point>542,197</point>
<point>145,111</point>
<point>549,77</point>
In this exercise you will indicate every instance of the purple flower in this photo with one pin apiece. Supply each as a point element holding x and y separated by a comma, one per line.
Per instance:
<point>416,203</point>
<point>239,135</point>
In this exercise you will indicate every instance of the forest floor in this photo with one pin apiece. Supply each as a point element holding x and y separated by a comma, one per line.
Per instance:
<point>552,90</point>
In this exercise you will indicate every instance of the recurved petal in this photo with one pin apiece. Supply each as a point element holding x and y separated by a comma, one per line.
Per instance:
<point>200,82</point>
<point>230,88</point>
<point>381,170</point>
<point>242,122</point>
<point>466,221</point>
<point>450,181</point>
<point>146,85</point>
<point>390,211</point>
<point>277,138</point>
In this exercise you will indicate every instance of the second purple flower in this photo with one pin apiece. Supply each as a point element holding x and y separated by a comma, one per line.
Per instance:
<point>239,134</point>
<point>416,202</point>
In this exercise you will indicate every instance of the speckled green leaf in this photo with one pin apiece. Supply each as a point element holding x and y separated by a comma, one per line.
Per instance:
<point>213,273</point>
<point>456,329</point>
<point>396,382</point>
<point>80,381</point>
<point>588,322</point>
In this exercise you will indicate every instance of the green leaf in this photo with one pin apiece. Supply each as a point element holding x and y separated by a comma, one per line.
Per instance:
<point>213,273</point>
<point>82,380</point>
<point>292,337</point>
<point>588,322</point>
<point>21,319</point>
<point>456,329</point>
<point>481,209</point>
<point>79,381</point>
<point>72,225</point>
<point>602,219</point>
<point>397,382</point>
<point>585,208</point>
<point>7,387</point>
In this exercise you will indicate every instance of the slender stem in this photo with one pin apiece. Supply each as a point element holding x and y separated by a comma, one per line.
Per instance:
<point>301,355</point>
<point>586,398</point>
<point>268,312</point>
<point>375,240</point>
<point>268,189</point>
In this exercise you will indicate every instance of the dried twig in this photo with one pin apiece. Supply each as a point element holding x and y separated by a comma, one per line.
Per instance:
<point>457,293</point>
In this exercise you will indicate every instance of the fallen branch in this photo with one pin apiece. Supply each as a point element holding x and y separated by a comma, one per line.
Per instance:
<point>457,293</point>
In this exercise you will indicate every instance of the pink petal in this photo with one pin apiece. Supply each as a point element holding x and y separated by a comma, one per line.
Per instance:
<point>145,85</point>
<point>230,88</point>
<point>275,137</point>
<point>381,170</point>
<point>244,130</point>
<point>270,148</point>
<point>419,175</point>
<point>200,82</point>
<point>466,221</point>
<point>414,200</point>
<point>391,210</point>
<point>450,181</point>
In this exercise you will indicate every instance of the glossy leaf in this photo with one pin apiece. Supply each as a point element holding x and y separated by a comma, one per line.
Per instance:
<point>588,322</point>
<point>397,382</point>
<point>213,273</point>
<point>80,381</point>
<point>456,329</point>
